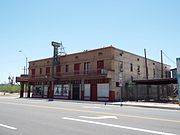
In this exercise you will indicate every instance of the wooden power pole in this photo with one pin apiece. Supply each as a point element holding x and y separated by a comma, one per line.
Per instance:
<point>161,64</point>
<point>147,88</point>
<point>146,64</point>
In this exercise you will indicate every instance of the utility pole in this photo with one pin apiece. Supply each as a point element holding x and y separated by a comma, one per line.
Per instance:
<point>26,66</point>
<point>162,72</point>
<point>25,73</point>
<point>147,88</point>
<point>161,64</point>
<point>146,64</point>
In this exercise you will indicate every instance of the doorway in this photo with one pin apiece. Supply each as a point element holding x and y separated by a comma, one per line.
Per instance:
<point>93,92</point>
<point>76,88</point>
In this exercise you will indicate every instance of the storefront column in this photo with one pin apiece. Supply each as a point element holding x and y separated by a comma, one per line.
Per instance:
<point>29,91</point>
<point>82,89</point>
<point>22,90</point>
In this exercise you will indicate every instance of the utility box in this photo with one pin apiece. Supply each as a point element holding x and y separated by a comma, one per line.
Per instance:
<point>178,76</point>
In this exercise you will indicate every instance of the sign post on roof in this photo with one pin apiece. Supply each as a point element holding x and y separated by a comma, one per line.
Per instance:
<point>178,77</point>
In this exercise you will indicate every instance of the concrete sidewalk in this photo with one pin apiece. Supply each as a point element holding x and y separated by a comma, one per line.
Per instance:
<point>148,105</point>
<point>128,103</point>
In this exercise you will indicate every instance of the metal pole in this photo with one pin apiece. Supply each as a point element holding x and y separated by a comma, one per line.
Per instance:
<point>26,64</point>
<point>24,70</point>
<point>146,64</point>
<point>161,65</point>
<point>147,88</point>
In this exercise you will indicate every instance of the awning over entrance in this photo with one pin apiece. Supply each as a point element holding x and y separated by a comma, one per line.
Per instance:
<point>23,80</point>
<point>157,81</point>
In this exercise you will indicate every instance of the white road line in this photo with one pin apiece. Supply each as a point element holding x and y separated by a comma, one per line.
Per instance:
<point>118,126</point>
<point>94,107</point>
<point>9,127</point>
<point>8,97</point>
<point>99,117</point>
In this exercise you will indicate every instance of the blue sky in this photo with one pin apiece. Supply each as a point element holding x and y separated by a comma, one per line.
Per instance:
<point>131,25</point>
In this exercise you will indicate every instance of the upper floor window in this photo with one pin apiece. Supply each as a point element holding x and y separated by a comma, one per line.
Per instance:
<point>86,67</point>
<point>131,67</point>
<point>100,65</point>
<point>40,71</point>
<point>47,70</point>
<point>154,73</point>
<point>67,68</point>
<point>100,53</point>
<point>121,67</point>
<point>58,69</point>
<point>33,72</point>
<point>138,69</point>
<point>76,68</point>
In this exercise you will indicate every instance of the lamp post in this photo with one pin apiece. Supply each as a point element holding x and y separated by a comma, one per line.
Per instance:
<point>20,51</point>
<point>26,84</point>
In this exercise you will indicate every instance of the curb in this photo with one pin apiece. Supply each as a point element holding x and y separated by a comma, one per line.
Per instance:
<point>110,103</point>
<point>147,106</point>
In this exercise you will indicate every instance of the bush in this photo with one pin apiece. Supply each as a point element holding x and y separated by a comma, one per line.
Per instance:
<point>9,88</point>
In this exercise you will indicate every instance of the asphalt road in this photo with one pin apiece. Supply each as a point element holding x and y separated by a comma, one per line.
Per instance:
<point>43,117</point>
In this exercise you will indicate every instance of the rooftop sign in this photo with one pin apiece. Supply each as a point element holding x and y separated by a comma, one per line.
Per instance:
<point>56,44</point>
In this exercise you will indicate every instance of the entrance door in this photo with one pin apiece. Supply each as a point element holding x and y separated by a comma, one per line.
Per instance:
<point>76,91</point>
<point>93,92</point>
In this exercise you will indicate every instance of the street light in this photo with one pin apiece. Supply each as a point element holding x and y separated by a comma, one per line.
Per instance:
<point>20,51</point>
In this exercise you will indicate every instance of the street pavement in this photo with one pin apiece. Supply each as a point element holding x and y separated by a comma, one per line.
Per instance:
<point>22,116</point>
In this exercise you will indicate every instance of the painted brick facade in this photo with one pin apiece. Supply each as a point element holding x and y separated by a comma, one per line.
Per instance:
<point>91,74</point>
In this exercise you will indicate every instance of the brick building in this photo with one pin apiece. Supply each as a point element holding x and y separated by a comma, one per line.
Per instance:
<point>95,75</point>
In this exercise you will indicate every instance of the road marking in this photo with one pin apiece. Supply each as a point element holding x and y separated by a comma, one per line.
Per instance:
<point>92,107</point>
<point>95,107</point>
<point>99,117</point>
<point>118,126</point>
<point>6,97</point>
<point>9,127</point>
<point>93,112</point>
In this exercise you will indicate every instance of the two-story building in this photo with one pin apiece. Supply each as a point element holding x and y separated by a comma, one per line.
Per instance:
<point>95,75</point>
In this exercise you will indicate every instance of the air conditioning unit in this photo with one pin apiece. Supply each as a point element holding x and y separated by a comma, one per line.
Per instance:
<point>103,71</point>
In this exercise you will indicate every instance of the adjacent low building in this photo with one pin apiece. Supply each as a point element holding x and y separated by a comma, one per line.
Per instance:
<point>96,75</point>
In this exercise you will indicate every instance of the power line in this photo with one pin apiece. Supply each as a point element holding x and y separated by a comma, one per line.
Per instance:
<point>169,58</point>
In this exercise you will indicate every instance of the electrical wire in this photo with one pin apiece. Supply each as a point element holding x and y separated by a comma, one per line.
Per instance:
<point>169,58</point>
